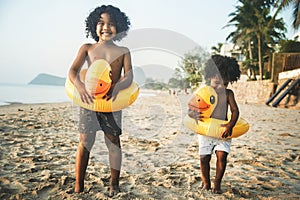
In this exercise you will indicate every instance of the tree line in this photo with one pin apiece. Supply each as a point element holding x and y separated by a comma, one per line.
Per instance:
<point>258,32</point>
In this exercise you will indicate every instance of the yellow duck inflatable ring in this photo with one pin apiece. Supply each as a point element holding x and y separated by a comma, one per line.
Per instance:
<point>97,82</point>
<point>205,100</point>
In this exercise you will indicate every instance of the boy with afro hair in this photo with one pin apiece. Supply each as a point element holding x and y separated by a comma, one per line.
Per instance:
<point>105,24</point>
<point>219,71</point>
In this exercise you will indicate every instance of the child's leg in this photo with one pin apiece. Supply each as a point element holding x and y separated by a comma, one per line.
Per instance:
<point>115,159</point>
<point>205,169</point>
<point>220,169</point>
<point>86,142</point>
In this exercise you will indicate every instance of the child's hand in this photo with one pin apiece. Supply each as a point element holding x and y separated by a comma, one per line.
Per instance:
<point>195,115</point>
<point>84,95</point>
<point>112,93</point>
<point>228,130</point>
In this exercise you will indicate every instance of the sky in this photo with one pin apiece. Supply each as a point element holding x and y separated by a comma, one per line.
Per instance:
<point>42,36</point>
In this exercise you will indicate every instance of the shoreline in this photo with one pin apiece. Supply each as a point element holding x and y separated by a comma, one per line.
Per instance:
<point>145,92</point>
<point>149,93</point>
<point>160,156</point>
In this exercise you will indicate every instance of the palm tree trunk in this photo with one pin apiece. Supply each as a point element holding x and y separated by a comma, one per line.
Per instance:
<point>259,56</point>
<point>250,50</point>
<point>253,74</point>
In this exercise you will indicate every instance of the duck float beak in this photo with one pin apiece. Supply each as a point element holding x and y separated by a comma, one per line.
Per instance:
<point>204,100</point>
<point>100,87</point>
<point>98,78</point>
<point>198,104</point>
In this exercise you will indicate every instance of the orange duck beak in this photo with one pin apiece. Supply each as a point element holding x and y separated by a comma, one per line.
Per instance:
<point>204,100</point>
<point>198,104</point>
<point>98,78</point>
<point>101,87</point>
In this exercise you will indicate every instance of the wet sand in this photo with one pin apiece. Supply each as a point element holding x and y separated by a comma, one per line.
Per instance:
<point>160,155</point>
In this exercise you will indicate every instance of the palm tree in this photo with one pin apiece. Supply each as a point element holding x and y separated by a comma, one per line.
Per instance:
<point>282,4</point>
<point>217,49</point>
<point>243,35</point>
<point>253,26</point>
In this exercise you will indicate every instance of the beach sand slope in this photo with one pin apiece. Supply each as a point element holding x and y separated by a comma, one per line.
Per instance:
<point>160,155</point>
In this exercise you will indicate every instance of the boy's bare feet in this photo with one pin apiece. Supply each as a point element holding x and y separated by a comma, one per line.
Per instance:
<point>205,187</point>
<point>217,187</point>
<point>217,191</point>
<point>79,188</point>
<point>114,190</point>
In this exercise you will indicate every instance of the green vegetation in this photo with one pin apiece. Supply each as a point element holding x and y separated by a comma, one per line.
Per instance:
<point>256,32</point>
<point>178,83</point>
<point>155,85</point>
<point>187,74</point>
<point>295,5</point>
<point>216,49</point>
<point>189,70</point>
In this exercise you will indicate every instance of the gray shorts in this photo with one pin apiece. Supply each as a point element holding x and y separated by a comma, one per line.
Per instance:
<point>91,122</point>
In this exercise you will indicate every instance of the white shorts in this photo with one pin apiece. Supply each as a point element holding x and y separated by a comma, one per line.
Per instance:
<point>207,145</point>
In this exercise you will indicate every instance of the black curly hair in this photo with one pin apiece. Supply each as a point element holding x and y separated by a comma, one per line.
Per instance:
<point>118,17</point>
<point>225,66</point>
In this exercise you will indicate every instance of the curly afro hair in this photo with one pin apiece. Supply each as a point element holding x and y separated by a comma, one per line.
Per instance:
<point>117,16</point>
<point>225,66</point>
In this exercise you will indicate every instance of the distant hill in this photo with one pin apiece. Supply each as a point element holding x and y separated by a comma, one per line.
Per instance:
<point>47,79</point>
<point>155,72</point>
<point>158,72</point>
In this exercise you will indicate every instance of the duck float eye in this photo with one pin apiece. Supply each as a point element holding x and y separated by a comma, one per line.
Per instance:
<point>212,99</point>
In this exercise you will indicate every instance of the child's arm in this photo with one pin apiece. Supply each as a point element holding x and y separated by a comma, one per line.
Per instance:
<point>74,71</point>
<point>124,81</point>
<point>234,114</point>
<point>127,79</point>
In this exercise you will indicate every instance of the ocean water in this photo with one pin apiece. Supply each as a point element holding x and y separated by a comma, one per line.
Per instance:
<point>29,94</point>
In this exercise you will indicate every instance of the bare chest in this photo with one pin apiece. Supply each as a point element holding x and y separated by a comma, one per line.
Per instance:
<point>111,53</point>
<point>220,111</point>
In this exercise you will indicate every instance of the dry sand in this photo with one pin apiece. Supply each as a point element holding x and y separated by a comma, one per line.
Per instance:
<point>160,158</point>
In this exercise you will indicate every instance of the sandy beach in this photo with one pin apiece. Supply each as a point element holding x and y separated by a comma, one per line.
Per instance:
<point>160,155</point>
